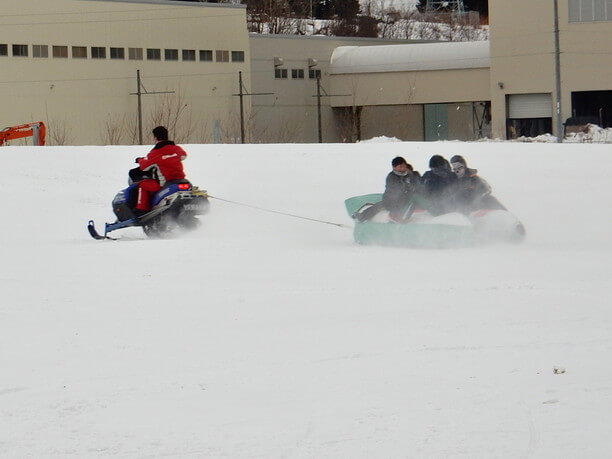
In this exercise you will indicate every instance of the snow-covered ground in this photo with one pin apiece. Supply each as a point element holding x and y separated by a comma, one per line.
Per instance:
<point>264,335</point>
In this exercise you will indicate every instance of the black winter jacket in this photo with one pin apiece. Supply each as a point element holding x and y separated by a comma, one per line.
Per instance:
<point>399,190</point>
<point>471,188</point>
<point>439,186</point>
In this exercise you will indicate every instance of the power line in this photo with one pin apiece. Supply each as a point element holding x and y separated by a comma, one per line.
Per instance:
<point>180,75</point>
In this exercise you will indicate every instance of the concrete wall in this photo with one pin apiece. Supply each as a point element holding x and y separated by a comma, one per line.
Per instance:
<point>82,99</point>
<point>400,121</point>
<point>407,92</point>
<point>437,86</point>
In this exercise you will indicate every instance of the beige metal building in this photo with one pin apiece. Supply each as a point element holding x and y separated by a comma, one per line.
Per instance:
<point>433,91</point>
<point>73,64</point>
<point>506,90</point>
<point>523,76</point>
<point>285,70</point>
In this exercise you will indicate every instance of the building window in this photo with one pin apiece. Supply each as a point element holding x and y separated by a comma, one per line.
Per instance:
<point>117,53</point>
<point>280,73</point>
<point>237,56</point>
<point>3,49</point>
<point>79,52</point>
<point>222,56</point>
<point>135,54</point>
<point>153,54</point>
<point>590,10</point>
<point>189,54</point>
<point>98,52</point>
<point>20,50</point>
<point>60,51</point>
<point>297,74</point>
<point>171,54</point>
<point>313,74</point>
<point>206,55</point>
<point>40,51</point>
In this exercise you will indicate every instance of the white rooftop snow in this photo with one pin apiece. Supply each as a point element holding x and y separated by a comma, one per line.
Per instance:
<point>410,57</point>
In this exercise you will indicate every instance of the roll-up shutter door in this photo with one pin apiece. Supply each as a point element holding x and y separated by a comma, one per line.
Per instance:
<point>529,106</point>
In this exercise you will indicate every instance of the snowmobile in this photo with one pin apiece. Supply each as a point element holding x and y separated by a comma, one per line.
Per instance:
<point>175,206</point>
<point>421,228</point>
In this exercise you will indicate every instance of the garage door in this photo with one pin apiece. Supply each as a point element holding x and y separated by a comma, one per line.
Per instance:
<point>522,106</point>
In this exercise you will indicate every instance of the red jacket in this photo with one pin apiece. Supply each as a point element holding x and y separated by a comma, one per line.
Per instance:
<point>164,161</point>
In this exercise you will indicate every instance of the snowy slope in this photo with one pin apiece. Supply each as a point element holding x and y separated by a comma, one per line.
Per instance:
<point>263,335</point>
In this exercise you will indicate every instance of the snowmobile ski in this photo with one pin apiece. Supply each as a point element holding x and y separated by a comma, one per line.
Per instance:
<point>94,233</point>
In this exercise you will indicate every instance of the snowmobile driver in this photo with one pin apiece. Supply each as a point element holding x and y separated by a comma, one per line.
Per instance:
<point>161,165</point>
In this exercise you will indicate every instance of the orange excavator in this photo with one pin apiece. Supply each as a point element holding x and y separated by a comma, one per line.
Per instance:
<point>36,130</point>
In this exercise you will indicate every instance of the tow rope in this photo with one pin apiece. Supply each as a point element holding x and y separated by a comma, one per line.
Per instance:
<point>341,225</point>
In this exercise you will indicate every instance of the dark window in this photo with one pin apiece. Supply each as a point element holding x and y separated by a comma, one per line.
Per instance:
<point>189,54</point>
<point>237,56</point>
<point>280,73</point>
<point>528,127</point>
<point>20,50</point>
<point>117,53</point>
<point>3,50</point>
<point>297,74</point>
<point>98,52</point>
<point>135,54</point>
<point>60,51</point>
<point>313,74</point>
<point>79,52</point>
<point>222,56</point>
<point>593,107</point>
<point>40,51</point>
<point>171,54</point>
<point>153,54</point>
<point>206,55</point>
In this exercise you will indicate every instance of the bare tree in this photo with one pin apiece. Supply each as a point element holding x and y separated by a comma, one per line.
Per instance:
<point>349,123</point>
<point>113,130</point>
<point>58,132</point>
<point>172,111</point>
<point>273,16</point>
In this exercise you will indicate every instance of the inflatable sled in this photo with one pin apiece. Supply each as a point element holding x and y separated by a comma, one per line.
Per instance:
<point>423,230</point>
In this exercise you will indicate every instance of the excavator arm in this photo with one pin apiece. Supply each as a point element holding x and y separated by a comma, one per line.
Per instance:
<point>36,130</point>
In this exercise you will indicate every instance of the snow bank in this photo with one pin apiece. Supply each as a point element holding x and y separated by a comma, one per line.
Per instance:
<point>266,335</point>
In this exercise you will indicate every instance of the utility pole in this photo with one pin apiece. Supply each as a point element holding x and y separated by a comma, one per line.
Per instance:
<point>318,96</point>
<point>559,121</point>
<point>320,130</point>
<point>241,108</point>
<point>139,93</point>
<point>139,106</point>
<point>241,94</point>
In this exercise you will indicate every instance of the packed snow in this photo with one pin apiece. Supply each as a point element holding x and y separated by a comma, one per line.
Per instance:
<point>268,335</point>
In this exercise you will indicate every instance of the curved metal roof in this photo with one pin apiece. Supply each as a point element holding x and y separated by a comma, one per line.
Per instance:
<point>410,57</point>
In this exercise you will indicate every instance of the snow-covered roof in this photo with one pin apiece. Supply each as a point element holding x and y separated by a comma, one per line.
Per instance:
<point>410,57</point>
